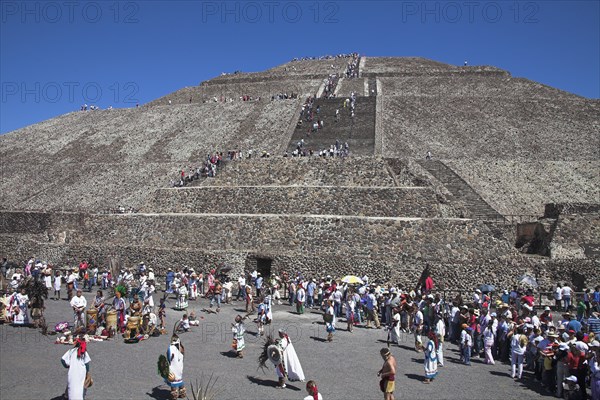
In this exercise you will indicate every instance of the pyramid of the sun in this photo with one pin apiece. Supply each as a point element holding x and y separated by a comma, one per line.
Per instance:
<point>513,187</point>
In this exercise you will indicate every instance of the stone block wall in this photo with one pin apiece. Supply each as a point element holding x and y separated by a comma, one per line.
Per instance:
<point>374,238</point>
<point>333,200</point>
<point>515,187</point>
<point>313,171</point>
<point>461,254</point>
<point>90,161</point>
<point>490,128</point>
<point>470,86</point>
<point>576,236</point>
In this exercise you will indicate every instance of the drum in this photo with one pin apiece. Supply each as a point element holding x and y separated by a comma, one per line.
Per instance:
<point>91,320</point>
<point>133,322</point>
<point>111,320</point>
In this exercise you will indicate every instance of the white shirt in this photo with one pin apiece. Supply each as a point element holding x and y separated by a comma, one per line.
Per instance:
<point>566,291</point>
<point>465,339</point>
<point>515,345</point>
<point>78,302</point>
<point>300,295</point>
<point>418,318</point>
<point>558,293</point>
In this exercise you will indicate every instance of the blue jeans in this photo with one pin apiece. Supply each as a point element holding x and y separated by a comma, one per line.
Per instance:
<point>467,355</point>
<point>310,300</point>
<point>567,301</point>
<point>216,298</point>
<point>337,309</point>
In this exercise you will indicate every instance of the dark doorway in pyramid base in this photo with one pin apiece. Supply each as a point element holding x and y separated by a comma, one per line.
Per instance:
<point>263,265</point>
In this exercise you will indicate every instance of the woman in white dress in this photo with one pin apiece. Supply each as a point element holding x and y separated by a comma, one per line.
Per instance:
<point>431,361</point>
<point>238,330</point>
<point>395,326</point>
<point>48,277</point>
<point>77,360</point>
<point>57,285</point>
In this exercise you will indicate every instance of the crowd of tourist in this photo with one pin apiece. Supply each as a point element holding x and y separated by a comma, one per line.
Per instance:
<point>284,96</point>
<point>335,150</point>
<point>330,85</point>
<point>559,347</point>
<point>352,67</point>
<point>326,57</point>
<point>208,169</point>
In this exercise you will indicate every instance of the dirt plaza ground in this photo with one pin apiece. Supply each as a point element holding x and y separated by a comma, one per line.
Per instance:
<point>347,368</point>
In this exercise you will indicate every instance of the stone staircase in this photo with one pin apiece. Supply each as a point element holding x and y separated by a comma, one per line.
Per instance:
<point>372,86</point>
<point>358,132</point>
<point>461,191</point>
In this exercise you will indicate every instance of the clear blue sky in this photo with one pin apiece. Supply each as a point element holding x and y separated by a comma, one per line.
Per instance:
<point>56,56</point>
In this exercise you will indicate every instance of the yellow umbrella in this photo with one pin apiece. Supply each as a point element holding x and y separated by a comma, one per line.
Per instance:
<point>352,279</point>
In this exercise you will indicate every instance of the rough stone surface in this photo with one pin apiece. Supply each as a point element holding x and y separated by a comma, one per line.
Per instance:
<point>368,201</point>
<point>515,143</point>
<point>515,187</point>
<point>454,127</point>
<point>313,171</point>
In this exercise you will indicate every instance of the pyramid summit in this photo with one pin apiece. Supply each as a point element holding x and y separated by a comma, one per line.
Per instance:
<point>345,164</point>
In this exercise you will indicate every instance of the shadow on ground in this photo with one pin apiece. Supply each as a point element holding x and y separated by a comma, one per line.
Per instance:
<point>415,377</point>
<point>160,393</point>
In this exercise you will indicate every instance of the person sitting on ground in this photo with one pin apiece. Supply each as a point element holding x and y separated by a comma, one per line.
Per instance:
<point>183,325</point>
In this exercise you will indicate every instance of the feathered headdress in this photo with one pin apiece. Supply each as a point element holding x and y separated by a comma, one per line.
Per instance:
<point>264,355</point>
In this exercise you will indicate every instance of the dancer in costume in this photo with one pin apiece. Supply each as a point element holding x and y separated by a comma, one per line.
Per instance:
<point>162,312</point>
<point>264,315</point>
<point>99,304</point>
<point>174,371</point>
<point>21,300</point>
<point>387,373</point>
<point>182,295</point>
<point>120,307</point>
<point>290,358</point>
<point>313,392</point>
<point>272,352</point>
<point>77,360</point>
<point>431,361</point>
<point>135,308</point>
<point>238,330</point>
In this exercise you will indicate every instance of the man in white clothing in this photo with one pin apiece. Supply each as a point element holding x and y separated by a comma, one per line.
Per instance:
<point>77,360</point>
<point>79,303</point>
